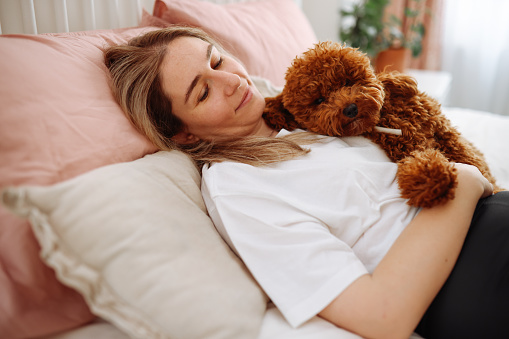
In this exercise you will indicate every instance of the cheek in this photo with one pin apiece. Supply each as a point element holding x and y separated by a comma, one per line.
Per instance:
<point>214,115</point>
<point>218,108</point>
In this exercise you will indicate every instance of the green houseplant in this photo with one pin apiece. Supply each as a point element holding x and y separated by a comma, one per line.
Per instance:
<point>365,26</point>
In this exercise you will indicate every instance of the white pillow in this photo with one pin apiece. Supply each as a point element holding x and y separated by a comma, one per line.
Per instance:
<point>135,240</point>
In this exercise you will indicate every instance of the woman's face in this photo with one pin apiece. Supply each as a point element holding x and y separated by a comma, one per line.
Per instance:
<point>210,92</point>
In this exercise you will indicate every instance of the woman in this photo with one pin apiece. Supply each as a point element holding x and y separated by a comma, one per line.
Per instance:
<point>321,226</point>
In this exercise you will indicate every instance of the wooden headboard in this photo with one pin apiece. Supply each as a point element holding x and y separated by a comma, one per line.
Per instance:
<point>57,16</point>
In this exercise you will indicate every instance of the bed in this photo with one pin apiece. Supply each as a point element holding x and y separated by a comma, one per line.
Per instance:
<point>100,235</point>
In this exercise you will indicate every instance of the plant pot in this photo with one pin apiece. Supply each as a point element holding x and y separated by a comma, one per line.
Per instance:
<point>393,59</point>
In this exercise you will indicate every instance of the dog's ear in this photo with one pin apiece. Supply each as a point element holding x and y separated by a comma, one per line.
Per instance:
<point>277,116</point>
<point>398,84</point>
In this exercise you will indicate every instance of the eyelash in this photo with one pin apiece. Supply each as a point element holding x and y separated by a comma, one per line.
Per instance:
<point>219,63</point>
<point>206,93</point>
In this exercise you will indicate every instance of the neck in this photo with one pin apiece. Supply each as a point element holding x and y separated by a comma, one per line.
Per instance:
<point>273,133</point>
<point>266,131</point>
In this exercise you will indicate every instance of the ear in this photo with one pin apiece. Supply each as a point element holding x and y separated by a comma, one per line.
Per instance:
<point>399,84</point>
<point>277,116</point>
<point>185,138</point>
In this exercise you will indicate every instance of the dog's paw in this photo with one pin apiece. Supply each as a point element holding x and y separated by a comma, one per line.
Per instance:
<point>426,178</point>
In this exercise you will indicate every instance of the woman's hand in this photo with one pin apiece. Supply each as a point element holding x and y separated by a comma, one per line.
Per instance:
<point>470,175</point>
<point>390,302</point>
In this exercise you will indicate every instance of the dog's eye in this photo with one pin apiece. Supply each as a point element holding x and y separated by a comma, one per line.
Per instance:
<point>319,101</point>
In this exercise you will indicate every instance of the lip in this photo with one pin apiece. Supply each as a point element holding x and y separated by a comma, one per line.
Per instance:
<point>248,94</point>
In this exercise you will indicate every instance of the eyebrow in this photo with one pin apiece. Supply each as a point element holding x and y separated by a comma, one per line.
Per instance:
<point>198,77</point>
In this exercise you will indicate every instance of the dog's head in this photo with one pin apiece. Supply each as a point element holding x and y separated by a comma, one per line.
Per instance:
<point>332,90</point>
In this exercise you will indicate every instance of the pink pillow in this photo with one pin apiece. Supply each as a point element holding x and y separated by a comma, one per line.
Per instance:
<point>58,119</point>
<point>265,35</point>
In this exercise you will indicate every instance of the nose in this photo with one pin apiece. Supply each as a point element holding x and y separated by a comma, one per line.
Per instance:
<point>232,83</point>
<point>351,111</point>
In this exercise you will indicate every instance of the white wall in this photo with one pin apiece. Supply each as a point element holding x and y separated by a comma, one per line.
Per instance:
<point>324,17</point>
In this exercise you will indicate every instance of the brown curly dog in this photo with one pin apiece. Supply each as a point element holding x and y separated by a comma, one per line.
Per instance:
<point>332,90</point>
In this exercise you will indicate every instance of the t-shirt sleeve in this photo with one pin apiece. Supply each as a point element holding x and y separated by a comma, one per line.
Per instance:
<point>296,260</point>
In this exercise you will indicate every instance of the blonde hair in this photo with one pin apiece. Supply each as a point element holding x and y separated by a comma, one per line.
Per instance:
<point>136,86</point>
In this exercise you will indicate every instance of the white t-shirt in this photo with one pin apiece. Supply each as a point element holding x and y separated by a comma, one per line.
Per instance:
<point>308,227</point>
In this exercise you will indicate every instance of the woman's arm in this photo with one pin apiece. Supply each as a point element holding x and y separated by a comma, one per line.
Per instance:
<point>390,302</point>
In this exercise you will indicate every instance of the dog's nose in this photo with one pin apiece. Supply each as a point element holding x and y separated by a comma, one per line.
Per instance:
<point>351,111</point>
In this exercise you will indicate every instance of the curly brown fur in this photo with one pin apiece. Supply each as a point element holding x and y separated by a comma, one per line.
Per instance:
<point>332,90</point>
<point>277,116</point>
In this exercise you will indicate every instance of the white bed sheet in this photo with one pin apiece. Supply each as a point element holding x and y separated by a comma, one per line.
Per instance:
<point>274,327</point>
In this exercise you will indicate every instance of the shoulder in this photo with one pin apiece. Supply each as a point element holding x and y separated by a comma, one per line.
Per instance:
<point>232,178</point>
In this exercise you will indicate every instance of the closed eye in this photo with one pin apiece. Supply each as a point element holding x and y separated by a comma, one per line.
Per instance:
<point>204,95</point>
<point>206,91</point>
<point>218,63</point>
